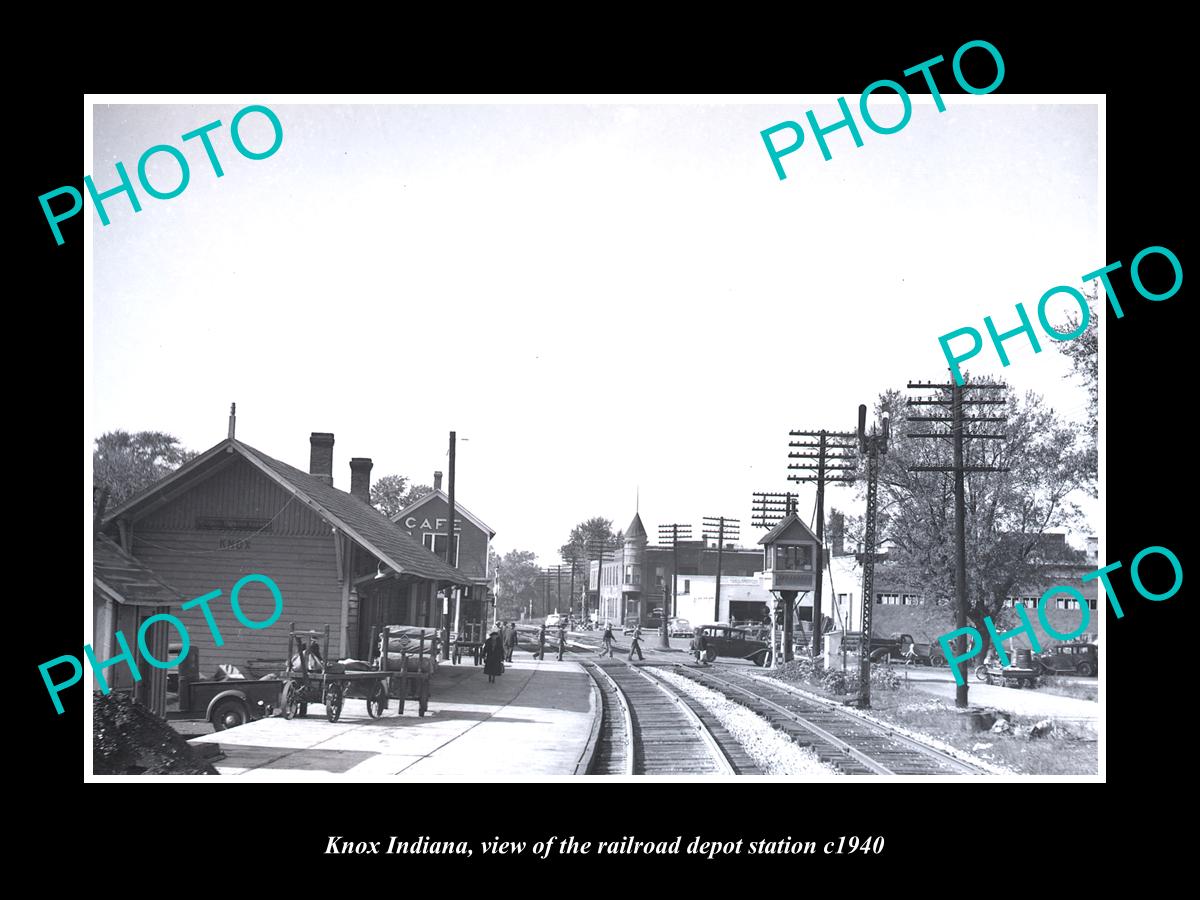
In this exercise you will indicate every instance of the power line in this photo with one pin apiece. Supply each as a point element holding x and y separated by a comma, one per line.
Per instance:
<point>834,456</point>
<point>955,397</point>
<point>720,527</point>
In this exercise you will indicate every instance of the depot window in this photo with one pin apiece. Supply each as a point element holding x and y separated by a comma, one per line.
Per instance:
<point>793,557</point>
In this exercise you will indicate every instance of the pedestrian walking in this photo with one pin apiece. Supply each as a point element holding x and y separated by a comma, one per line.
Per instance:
<point>700,645</point>
<point>513,636</point>
<point>608,639</point>
<point>541,654</point>
<point>493,656</point>
<point>636,645</point>
<point>562,640</point>
<point>506,641</point>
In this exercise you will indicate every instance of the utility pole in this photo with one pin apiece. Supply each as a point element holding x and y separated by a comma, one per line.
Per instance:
<point>720,525</point>
<point>768,509</point>
<point>450,561</point>
<point>571,589</point>
<point>834,454</point>
<point>953,395</point>
<point>872,446</point>
<point>674,531</point>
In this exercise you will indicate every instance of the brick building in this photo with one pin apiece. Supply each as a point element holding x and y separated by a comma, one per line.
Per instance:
<point>427,520</point>
<point>898,608</point>
<point>638,577</point>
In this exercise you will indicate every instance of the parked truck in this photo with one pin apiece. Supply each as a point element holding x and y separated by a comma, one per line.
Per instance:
<point>895,647</point>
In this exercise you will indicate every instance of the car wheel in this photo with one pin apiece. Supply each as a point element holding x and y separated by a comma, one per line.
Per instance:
<point>229,713</point>
<point>710,655</point>
<point>937,661</point>
<point>1085,669</point>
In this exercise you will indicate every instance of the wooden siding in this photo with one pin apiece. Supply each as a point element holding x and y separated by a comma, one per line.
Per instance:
<point>237,491</point>
<point>304,568</point>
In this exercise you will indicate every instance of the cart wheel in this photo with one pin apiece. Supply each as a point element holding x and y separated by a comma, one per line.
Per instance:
<point>291,700</point>
<point>333,701</point>
<point>981,674</point>
<point>1018,683</point>
<point>229,713</point>
<point>377,700</point>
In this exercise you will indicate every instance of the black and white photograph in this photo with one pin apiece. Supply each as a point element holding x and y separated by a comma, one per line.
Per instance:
<point>473,438</point>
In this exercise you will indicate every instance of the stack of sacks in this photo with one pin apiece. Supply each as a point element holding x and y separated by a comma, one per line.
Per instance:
<point>404,646</point>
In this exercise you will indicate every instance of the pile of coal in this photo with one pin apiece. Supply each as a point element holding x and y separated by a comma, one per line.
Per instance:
<point>128,739</point>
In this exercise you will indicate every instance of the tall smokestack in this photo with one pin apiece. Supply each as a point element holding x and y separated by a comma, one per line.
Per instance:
<point>360,478</point>
<point>320,460</point>
<point>437,481</point>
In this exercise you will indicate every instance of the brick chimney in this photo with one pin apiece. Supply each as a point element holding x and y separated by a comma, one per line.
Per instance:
<point>837,532</point>
<point>320,460</point>
<point>437,481</point>
<point>360,478</point>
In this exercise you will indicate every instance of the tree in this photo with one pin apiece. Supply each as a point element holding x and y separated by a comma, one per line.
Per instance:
<point>517,582</point>
<point>587,534</point>
<point>129,463</point>
<point>1008,514</point>
<point>392,493</point>
<point>1084,354</point>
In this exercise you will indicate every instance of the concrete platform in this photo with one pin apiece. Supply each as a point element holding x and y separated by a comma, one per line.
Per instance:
<point>533,722</point>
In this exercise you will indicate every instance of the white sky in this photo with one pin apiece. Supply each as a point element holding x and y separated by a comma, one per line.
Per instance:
<point>594,297</point>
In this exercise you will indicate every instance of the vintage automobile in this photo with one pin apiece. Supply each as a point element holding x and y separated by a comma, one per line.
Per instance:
<point>1070,658</point>
<point>735,643</point>
<point>678,627</point>
<point>552,620</point>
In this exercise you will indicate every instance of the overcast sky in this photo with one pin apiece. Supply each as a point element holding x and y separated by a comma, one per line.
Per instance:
<point>595,297</point>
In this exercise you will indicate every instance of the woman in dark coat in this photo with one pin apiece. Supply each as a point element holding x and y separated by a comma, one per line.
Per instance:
<point>493,656</point>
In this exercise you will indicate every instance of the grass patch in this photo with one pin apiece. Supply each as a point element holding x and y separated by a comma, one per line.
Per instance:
<point>1058,753</point>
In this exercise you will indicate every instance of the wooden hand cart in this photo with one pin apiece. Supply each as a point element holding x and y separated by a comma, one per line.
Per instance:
<point>331,685</point>
<point>409,675</point>
<point>469,641</point>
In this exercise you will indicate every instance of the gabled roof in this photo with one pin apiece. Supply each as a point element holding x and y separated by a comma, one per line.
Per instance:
<point>459,510</point>
<point>636,530</point>
<point>364,524</point>
<point>118,575</point>
<point>789,522</point>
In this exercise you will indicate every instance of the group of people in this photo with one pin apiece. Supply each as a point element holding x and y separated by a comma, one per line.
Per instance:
<point>498,648</point>
<point>635,646</point>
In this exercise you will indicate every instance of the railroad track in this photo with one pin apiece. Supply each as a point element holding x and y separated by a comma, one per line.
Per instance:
<point>649,728</point>
<point>849,743</point>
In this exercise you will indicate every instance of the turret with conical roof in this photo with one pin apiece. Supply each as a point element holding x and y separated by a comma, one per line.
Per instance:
<point>635,546</point>
<point>636,532</point>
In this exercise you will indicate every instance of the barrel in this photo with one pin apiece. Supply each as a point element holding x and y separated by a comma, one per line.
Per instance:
<point>1024,658</point>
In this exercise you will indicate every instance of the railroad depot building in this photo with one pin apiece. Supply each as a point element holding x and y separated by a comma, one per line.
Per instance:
<point>637,577</point>
<point>426,521</point>
<point>233,511</point>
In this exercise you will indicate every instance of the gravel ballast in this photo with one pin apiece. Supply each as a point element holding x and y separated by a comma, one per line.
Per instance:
<point>773,751</point>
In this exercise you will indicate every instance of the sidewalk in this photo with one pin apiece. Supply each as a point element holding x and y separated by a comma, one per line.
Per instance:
<point>534,721</point>
<point>1028,702</point>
